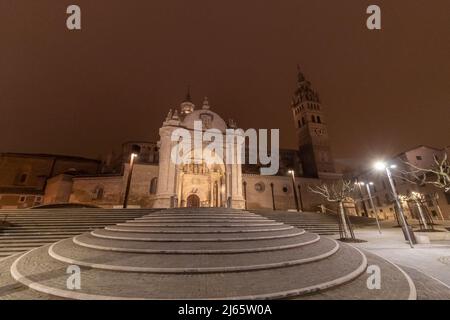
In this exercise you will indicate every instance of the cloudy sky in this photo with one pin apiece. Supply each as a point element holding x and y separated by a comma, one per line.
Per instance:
<point>85,92</point>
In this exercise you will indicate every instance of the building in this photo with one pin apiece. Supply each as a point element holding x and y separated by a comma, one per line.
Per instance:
<point>433,201</point>
<point>158,182</point>
<point>24,178</point>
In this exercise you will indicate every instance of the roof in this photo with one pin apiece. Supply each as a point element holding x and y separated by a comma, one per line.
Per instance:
<point>46,155</point>
<point>21,190</point>
<point>417,147</point>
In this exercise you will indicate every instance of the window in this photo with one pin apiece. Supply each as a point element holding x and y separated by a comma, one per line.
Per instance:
<point>153,185</point>
<point>285,189</point>
<point>299,124</point>
<point>260,187</point>
<point>23,178</point>
<point>419,158</point>
<point>313,119</point>
<point>303,121</point>
<point>98,193</point>
<point>22,199</point>
<point>319,120</point>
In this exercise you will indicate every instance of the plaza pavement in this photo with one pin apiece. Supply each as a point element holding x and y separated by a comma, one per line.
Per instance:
<point>433,260</point>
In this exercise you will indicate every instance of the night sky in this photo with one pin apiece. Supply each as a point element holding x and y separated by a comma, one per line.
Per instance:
<point>85,92</point>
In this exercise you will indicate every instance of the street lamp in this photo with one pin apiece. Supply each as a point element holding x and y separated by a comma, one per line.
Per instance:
<point>359,184</point>
<point>383,166</point>
<point>130,172</point>
<point>369,193</point>
<point>292,173</point>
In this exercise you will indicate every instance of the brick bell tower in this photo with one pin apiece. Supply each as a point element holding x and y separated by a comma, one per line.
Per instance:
<point>311,129</point>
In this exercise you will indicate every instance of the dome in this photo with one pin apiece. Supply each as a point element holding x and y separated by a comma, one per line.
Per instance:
<point>210,119</point>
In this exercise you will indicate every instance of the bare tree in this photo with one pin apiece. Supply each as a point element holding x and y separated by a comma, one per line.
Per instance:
<point>337,193</point>
<point>437,175</point>
<point>418,199</point>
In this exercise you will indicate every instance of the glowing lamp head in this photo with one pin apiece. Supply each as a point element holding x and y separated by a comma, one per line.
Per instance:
<point>380,165</point>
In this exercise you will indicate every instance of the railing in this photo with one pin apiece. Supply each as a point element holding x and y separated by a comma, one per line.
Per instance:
<point>341,225</point>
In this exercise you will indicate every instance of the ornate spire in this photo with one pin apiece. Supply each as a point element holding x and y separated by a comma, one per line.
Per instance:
<point>304,90</point>
<point>300,77</point>
<point>188,94</point>
<point>187,106</point>
<point>169,115</point>
<point>205,104</point>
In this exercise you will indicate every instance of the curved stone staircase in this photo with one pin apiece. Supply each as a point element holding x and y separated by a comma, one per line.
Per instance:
<point>24,229</point>
<point>211,253</point>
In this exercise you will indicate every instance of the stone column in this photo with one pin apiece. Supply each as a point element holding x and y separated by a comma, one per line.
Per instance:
<point>166,190</point>
<point>237,197</point>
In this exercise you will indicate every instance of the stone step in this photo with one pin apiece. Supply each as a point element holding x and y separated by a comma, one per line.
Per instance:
<point>313,222</point>
<point>42,273</point>
<point>197,230</point>
<point>193,225</point>
<point>67,223</point>
<point>89,241</point>
<point>63,220</point>
<point>196,217</point>
<point>20,232</point>
<point>203,220</point>
<point>48,239</point>
<point>208,237</point>
<point>68,252</point>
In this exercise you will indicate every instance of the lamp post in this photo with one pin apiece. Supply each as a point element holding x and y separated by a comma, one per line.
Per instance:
<point>382,166</point>
<point>294,189</point>
<point>361,195</point>
<point>369,193</point>
<point>127,189</point>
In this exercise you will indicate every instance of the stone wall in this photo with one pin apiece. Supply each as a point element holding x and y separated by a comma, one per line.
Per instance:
<point>58,189</point>
<point>140,184</point>
<point>86,190</point>
<point>259,193</point>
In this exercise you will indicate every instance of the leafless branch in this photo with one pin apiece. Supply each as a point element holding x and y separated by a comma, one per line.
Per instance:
<point>437,175</point>
<point>336,192</point>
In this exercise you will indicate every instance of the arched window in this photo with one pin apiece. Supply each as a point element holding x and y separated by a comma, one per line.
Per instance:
<point>153,185</point>
<point>313,119</point>
<point>23,178</point>
<point>319,120</point>
<point>98,193</point>
<point>299,124</point>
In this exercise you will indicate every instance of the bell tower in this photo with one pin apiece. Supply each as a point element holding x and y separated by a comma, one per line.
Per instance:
<point>311,129</point>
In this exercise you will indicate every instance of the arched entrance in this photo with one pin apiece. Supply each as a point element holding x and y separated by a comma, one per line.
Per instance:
<point>193,201</point>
